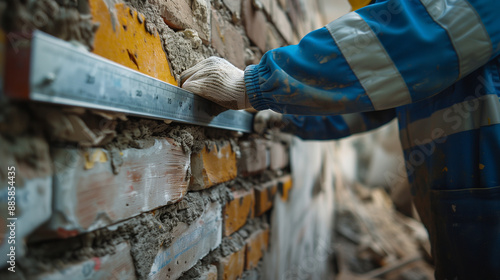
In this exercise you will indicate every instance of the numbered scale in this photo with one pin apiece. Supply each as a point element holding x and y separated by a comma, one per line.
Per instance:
<point>58,72</point>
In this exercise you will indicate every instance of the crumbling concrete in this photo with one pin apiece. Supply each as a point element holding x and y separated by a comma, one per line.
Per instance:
<point>182,47</point>
<point>68,20</point>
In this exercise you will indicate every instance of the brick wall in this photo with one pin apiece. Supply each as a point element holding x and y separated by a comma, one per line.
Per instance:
<point>108,196</point>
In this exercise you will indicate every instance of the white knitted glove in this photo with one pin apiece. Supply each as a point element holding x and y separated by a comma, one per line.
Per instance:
<point>219,81</point>
<point>267,119</point>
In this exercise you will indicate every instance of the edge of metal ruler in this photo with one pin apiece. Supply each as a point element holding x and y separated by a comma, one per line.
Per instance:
<point>62,73</point>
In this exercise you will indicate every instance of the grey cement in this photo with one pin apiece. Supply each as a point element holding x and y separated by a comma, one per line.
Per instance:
<point>146,233</point>
<point>183,48</point>
<point>68,20</point>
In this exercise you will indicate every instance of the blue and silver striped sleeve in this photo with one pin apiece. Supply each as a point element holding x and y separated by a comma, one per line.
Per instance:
<point>335,127</point>
<point>383,56</point>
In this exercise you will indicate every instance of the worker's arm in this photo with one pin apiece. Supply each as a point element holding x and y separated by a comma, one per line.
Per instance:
<point>382,56</point>
<point>334,127</point>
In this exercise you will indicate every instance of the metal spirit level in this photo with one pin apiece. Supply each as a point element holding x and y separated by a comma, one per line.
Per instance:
<point>55,71</point>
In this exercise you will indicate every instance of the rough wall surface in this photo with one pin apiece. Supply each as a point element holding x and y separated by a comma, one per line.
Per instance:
<point>108,196</point>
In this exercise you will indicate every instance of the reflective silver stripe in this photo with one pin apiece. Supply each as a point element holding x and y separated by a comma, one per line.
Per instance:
<point>464,116</point>
<point>369,61</point>
<point>466,30</point>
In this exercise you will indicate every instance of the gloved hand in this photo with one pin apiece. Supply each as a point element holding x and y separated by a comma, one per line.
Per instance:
<point>267,119</point>
<point>219,81</point>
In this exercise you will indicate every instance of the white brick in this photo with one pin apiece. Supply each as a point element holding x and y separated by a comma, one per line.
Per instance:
<point>33,208</point>
<point>192,243</point>
<point>89,196</point>
<point>116,266</point>
<point>32,177</point>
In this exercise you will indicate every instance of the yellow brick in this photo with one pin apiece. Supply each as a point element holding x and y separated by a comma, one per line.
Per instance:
<point>264,197</point>
<point>255,246</point>
<point>237,211</point>
<point>285,184</point>
<point>231,267</point>
<point>213,165</point>
<point>123,39</point>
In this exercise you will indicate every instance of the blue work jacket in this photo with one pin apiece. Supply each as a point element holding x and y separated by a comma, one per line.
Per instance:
<point>433,64</point>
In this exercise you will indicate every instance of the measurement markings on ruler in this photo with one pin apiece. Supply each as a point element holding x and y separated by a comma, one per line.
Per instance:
<point>63,74</point>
